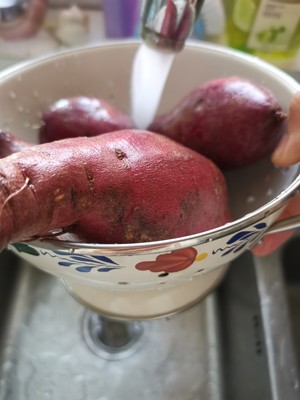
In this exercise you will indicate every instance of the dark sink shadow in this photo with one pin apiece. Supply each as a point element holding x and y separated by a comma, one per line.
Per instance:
<point>10,266</point>
<point>290,259</point>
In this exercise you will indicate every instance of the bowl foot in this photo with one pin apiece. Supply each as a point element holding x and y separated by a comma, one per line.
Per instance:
<point>111,339</point>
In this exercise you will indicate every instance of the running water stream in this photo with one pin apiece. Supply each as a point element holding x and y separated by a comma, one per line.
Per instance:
<point>166,25</point>
<point>150,71</point>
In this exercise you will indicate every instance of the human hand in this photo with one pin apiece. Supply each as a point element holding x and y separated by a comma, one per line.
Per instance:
<point>286,153</point>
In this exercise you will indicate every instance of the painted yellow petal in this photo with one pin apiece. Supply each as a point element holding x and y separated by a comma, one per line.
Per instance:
<point>201,256</point>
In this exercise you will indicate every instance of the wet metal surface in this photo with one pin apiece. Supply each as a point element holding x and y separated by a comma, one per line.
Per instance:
<point>213,351</point>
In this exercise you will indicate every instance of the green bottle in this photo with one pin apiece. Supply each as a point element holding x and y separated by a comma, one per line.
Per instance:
<point>269,29</point>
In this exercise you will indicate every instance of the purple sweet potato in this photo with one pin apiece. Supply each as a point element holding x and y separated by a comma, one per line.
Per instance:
<point>121,187</point>
<point>10,144</point>
<point>232,121</point>
<point>81,116</point>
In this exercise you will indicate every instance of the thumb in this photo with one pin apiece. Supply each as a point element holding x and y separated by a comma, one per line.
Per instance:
<point>288,149</point>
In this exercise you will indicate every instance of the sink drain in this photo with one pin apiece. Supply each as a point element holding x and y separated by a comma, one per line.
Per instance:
<point>111,339</point>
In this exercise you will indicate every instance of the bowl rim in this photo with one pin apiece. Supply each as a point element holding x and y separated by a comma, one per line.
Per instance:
<point>185,241</point>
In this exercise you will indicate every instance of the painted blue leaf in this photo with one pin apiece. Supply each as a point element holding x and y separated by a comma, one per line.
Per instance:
<point>228,251</point>
<point>84,269</point>
<point>105,259</point>
<point>260,225</point>
<point>81,258</point>
<point>62,252</point>
<point>238,248</point>
<point>65,263</point>
<point>105,269</point>
<point>240,236</point>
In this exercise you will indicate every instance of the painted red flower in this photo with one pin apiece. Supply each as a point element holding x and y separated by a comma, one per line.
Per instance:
<point>175,261</point>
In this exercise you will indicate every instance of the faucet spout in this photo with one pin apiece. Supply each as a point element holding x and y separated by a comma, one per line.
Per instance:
<point>166,24</point>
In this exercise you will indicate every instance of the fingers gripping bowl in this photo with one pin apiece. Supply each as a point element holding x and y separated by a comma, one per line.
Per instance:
<point>257,192</point>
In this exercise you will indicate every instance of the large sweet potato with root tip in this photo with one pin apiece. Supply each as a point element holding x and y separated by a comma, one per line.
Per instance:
<point>81,116</point>
<point>232,121</point>
<point>121,187</point>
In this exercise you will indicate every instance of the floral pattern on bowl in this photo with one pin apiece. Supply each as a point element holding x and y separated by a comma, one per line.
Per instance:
<point>176,260</point>
<point>241,239</point>
<point>81,262</point>
<point>184,260</point>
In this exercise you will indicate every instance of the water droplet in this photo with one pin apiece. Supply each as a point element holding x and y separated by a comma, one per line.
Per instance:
<point>35,126</point>
<point>12,95</point>
<point>7,366</point>
<point>110,84</point>
<point>285,170</point>
<point>20,108</point>
<point>251,199</point>
<point>79,378</point>
<point>26,124</point>
<point>270,192</point>
<point>59,64</point>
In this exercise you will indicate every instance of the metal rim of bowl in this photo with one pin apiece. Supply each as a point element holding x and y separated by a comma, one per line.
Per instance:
<point>191,240</point>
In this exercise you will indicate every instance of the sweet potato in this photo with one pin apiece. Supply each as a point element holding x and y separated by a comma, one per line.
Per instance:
<point>120,187</point>
<point>232,121</point>
<point>81,116</point>
<point>10,144</point>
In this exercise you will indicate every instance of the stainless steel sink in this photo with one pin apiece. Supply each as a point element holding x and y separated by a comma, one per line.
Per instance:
<point>236,344</point>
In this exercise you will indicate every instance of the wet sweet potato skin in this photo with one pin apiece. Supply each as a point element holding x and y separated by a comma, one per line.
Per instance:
<point>231,120</point>
<point>10,144</point>
<point>81,116</point>
<point>123,187</point>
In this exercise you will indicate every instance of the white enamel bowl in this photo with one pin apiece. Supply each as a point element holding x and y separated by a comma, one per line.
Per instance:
<point>107,277</point>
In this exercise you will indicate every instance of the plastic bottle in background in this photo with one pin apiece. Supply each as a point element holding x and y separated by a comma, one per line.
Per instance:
<point>121,18</point>
<point>269,29</point>
<point>211,22</point>
<point>213,17</point>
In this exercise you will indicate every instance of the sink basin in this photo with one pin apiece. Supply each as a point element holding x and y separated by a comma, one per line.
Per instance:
<point>213,351</point>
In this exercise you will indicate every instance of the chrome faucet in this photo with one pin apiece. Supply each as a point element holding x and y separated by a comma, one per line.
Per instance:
<point>166,24</point>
